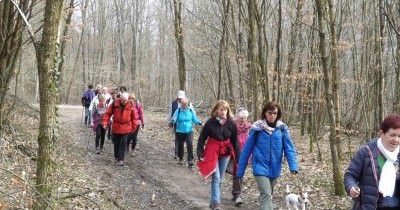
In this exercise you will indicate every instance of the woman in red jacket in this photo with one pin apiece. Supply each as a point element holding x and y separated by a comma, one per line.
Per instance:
<point>124,123</point>
<point>218,142</point>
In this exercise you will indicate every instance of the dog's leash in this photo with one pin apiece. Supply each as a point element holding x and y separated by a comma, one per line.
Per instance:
<point>298,184</point>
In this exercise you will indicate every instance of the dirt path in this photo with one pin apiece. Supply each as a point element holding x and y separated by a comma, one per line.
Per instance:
<point>150,180</point>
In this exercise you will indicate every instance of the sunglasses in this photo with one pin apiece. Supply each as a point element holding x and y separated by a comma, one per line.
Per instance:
<point>272,113</point>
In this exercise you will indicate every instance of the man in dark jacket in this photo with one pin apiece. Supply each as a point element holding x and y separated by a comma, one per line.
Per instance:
<point>87,97</point>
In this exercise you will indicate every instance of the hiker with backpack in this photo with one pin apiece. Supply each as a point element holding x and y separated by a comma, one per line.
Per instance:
<point>124,123</point>
<point>174,106</point>
<point>132,139</point>
<point>217,144</point>
<point>268,140</point>
<point>183,119</point>
<point>99,108</point>
<point>87,98</point>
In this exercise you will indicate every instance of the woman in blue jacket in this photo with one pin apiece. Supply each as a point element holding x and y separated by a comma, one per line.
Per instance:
<point>183,118</point>
<point>268,140</point>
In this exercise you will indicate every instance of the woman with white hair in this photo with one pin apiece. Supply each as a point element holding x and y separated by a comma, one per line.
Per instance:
<point>243,127</point>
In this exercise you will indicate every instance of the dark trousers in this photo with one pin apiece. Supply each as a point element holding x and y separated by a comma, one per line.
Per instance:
<point>181,139</point>
<point>100,136</point>
<point>119,141</point>
<point>236,186</point>
<point>109,132</point>
<point>132,139</point>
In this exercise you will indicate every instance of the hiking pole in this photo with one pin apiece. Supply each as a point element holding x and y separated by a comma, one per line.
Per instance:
<point>83,108</point>
<point>90,135</point>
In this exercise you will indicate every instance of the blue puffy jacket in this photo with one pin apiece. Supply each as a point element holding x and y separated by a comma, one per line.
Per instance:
<point>267,150</point>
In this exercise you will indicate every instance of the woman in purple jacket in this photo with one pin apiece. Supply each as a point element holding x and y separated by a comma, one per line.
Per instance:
<point>372,178</point>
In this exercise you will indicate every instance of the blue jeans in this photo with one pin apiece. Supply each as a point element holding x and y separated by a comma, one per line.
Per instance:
<point>88,115</point>
<point>216,180</point>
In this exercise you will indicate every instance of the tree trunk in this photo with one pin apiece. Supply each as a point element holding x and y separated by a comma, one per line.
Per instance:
<point>335,77</point>
<point>179,41</point>
<point>222,52</point>
<point>120,16</point>
<point>64,38</point>
<point>379,45</point>
<point>11,30</point>
<point>277,70</point>
<point>252,57</point>
<point>46,54</point>
<point>337,172</point>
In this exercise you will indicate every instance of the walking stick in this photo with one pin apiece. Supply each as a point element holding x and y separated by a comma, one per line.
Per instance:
<point>83,108</point>
<point>89,136</point>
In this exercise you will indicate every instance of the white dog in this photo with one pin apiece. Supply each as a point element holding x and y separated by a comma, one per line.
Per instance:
<point>294,202</point>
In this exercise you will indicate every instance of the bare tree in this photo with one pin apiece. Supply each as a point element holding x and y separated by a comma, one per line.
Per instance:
<point>252,56</point>
<point>11,30</point>
<point>179,43</point>
<point>330,99</point>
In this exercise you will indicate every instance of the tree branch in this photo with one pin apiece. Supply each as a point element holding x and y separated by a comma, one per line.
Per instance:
<point>390,21</point>
<point>28,25</point>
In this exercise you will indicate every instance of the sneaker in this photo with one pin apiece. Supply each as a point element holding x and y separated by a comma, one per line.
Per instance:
<point>215,206</point>
<point>180,162</point>
<point>238,201</point>
<point>120,163</point>
<point>102,149</point>
<point>190,164</point>
<point>97,151</point>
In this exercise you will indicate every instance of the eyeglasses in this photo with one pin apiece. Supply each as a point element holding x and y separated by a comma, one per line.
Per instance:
<point>272,113</point>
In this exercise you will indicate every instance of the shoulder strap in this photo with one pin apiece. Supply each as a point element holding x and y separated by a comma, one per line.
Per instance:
<point>112,107</point>
<point>179,111</point>
<point>373,164</point>
<point>256,136</point>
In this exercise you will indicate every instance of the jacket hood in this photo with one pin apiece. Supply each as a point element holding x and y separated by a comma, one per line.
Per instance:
<point>260,125</point>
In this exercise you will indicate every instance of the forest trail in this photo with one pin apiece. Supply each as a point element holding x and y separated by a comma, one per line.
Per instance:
<point>150,180</point>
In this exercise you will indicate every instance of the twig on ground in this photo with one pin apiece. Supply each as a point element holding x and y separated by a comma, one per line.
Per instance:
<point>115,202</point>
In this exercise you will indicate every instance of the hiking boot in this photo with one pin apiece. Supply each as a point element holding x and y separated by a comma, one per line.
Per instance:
<point>238,201</point>
<point>120,163</point>
<point>215,206</point>
<point>132,154</point>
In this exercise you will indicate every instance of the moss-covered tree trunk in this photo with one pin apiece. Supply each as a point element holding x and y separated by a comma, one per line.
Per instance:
<point>46,53</point>
<point>330,99</point>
